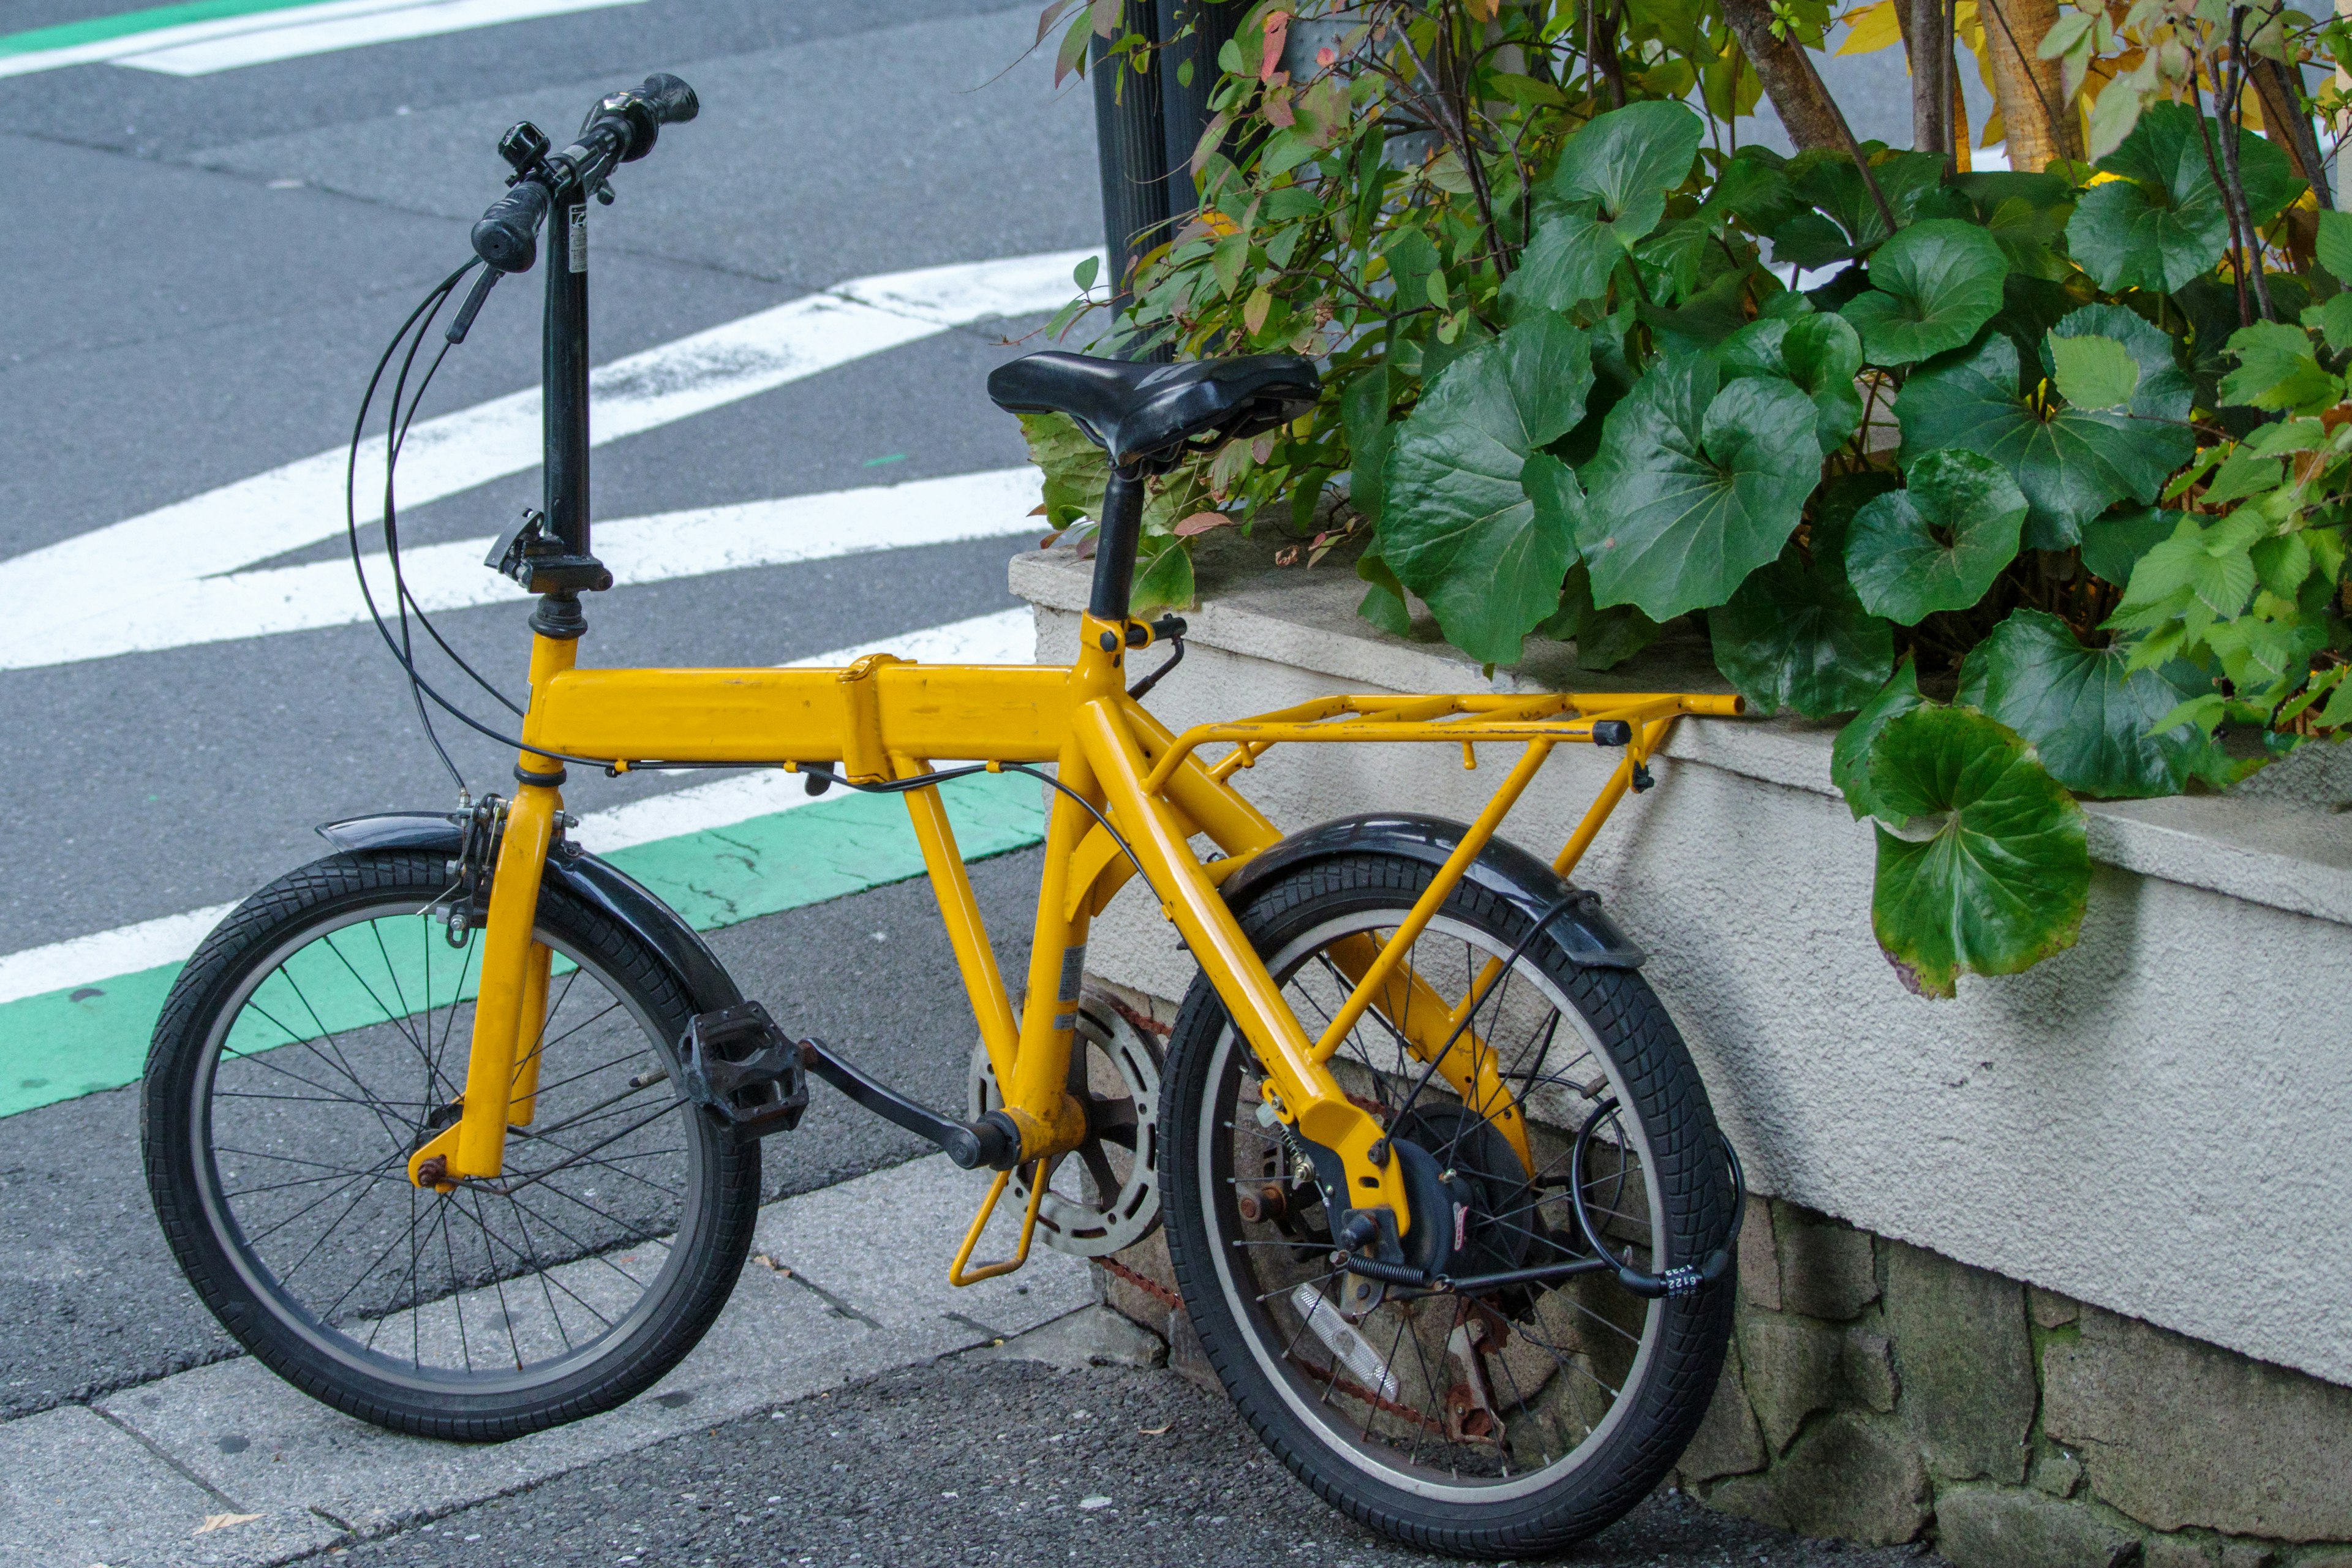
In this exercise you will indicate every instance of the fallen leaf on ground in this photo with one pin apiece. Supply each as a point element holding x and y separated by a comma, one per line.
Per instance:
<point>223,1520</point>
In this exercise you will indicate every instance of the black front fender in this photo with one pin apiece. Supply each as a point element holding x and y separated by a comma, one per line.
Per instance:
<point>1527,884</point>
<point>597,883</point>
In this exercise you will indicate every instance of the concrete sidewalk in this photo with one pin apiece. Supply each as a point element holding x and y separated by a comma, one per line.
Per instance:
<point>227,1465</point>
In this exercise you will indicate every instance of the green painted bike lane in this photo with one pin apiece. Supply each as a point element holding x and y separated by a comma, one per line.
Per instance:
<point>63,1044</point>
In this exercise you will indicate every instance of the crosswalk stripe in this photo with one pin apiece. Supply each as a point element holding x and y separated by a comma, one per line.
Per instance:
<point>180,39</point>
<point>129,570</point>
<point>667,545</point>
<point>298,35</point>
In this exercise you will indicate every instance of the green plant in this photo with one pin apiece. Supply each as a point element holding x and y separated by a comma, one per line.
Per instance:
<point>2043,486</point>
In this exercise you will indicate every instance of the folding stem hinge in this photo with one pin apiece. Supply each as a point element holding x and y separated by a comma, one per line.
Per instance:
<point>543,563</point>
<point>738,1064</point>
<point>863,758</point>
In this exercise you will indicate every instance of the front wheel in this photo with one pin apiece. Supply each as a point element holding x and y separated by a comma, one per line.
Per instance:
<point>316,1040</point>
<point>1499,1422</point>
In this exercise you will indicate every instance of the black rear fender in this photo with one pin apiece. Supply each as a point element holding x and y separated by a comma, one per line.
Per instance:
<point>1584,930</point>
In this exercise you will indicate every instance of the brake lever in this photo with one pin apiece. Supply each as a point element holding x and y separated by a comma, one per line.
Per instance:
<point>464,322</point>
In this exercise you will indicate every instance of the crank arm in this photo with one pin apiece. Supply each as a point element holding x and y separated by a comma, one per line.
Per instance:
<point>992,1140</point>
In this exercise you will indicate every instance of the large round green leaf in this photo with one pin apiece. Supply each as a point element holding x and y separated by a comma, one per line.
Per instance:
<point>1938,543</point>
<point>2071,463</point>
<point>1996,882</point>
<point>2163,222</point>
<point>1695,487</point>
<point>2112,546</point>
<point>1850,753</point>
<point>1567,262</point>
<point>1821,353</point>
<point>1457,525</point>
<point>1932,286</point>
<point>1627,160</point>
<point>1604,639</point>
<point>2084,709</point>
<point>1795,637</point>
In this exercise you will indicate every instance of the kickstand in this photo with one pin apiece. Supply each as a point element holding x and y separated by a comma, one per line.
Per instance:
<point>957,1275</point>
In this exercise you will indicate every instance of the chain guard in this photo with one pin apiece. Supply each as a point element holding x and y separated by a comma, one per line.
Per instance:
<point>1115,1074</point>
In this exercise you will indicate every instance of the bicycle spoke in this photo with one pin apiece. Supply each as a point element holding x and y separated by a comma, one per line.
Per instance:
<point>309,1188</point>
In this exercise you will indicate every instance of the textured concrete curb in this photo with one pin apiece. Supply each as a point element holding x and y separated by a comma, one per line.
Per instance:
<point>2271,842</point>
<point>847,1282</point>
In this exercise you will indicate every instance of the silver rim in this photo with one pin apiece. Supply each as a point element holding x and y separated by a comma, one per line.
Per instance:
<point>1402,1393</point>
<point>336,1055</point>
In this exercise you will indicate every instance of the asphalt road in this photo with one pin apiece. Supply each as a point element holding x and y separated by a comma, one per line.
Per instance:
<point>978,1461</point>
<point>200,271</point>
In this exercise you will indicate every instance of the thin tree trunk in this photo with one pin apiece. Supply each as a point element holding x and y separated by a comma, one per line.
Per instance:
<point>2232,129</point>
<point>1927,45</point>
<point>2289,126</point>
<point>2032,91</point>
<point>1807,112</point>
<point>1603,26</point>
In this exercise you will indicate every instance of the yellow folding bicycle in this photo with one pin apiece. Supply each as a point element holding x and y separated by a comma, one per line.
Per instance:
<point>457,1128</point>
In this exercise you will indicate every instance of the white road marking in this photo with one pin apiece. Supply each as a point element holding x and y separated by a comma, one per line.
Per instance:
<point>284,32</point>
<point>129,570</point>
<point>1004,638</point>
<point>303,32</point>
<point>666,545</point>
<point>103,955</point>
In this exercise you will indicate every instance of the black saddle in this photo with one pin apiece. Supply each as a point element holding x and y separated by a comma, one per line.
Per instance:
<point>1144,414</point>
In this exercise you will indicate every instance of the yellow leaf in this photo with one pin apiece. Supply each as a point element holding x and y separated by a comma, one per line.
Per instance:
<point>223,1520</point>
<point>1870,28</point>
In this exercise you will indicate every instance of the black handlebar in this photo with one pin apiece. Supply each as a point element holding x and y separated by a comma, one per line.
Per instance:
<point>673,102</point>
<point>621,128</point>
<point>507,234</point>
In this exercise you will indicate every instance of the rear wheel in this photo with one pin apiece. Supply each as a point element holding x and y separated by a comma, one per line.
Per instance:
<point>1506,1421</point>
<point>316,1040</point>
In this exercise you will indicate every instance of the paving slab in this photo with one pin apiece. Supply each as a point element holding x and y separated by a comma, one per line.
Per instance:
<point>75,1490</point>
<point>847,1282</point>
<point>881,1245</point>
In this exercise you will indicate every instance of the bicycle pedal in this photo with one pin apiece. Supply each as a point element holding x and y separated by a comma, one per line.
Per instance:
<point>740,1065</point>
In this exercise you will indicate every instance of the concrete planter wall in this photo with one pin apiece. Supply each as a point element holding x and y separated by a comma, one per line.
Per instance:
<point>2153,1131</point>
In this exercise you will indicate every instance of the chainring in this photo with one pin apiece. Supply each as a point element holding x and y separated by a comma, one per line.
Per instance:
<point>1105,1195</point>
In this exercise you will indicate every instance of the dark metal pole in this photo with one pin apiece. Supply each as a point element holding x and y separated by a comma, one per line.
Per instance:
<point>1184,104</point>
<point>1130,149</point>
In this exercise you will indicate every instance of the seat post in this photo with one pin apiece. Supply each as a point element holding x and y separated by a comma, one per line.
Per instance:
<point>1115,542</point>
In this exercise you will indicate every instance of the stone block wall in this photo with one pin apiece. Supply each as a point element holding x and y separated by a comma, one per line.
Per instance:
<point>1880,1393</point>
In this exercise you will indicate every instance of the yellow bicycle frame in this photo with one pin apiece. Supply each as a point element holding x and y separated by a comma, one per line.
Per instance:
<point>884,719</point>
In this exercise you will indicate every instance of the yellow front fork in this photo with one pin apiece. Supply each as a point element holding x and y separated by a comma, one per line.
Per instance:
<point>510,1008</point>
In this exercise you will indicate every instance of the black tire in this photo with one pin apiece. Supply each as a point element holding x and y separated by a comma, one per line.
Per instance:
<point>1531,1468</point>
<point>579,1300</point>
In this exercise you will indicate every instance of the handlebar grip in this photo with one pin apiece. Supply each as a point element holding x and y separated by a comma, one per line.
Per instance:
<point>673,102</point>
<point>507,234</point>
